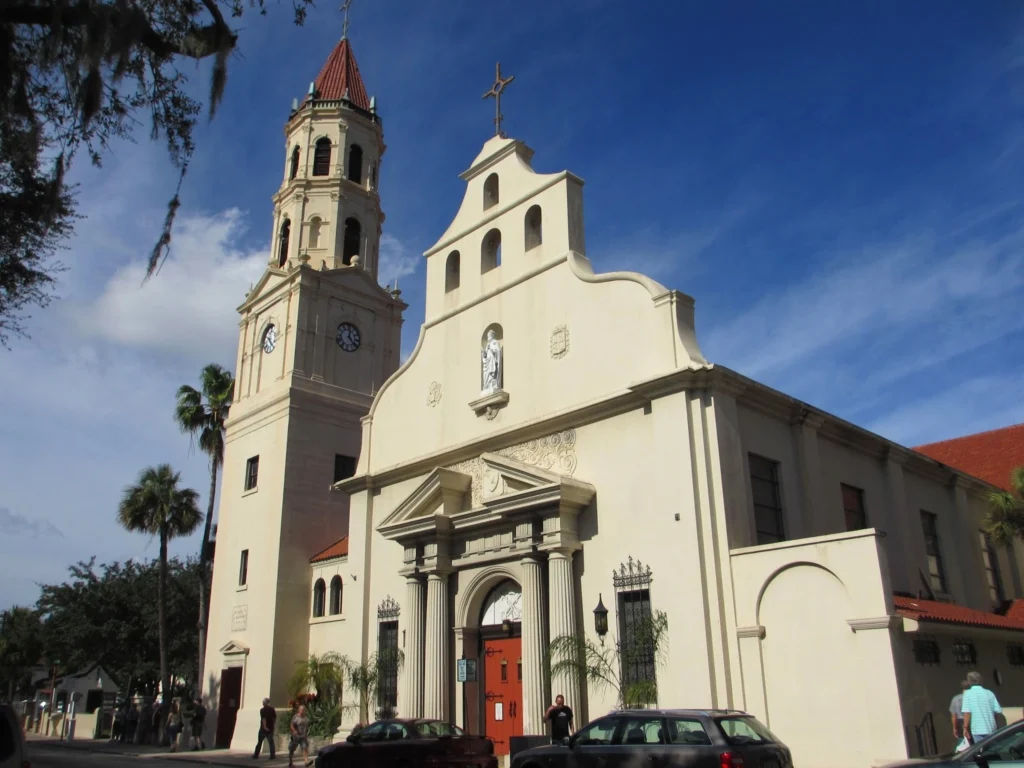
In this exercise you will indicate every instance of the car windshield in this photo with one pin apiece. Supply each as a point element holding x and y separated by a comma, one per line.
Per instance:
<point>436,728</point>
<point>745,730</point>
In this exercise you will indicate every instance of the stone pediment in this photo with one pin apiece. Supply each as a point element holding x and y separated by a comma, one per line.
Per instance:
<point>233,648</point>
<point>441,494</point>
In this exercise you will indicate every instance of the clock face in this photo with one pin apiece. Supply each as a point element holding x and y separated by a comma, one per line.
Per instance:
<point>269,339</point>
<point>348,337</point>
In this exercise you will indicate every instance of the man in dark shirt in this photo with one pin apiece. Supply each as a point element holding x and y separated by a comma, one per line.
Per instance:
<point>198,723</point>
<point>560,717</point>
<point>268,722</point>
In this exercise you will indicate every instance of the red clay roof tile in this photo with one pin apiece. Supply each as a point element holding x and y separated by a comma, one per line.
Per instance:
<point>337,549</point>
<point>950,613</point>
<point>341,74</point>
<point>988,456</point>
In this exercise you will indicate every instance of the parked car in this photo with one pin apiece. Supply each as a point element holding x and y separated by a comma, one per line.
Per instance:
<point>12,739</point>
<point>1005,747</point>
<point>701,738</point>
<point>409,744</point>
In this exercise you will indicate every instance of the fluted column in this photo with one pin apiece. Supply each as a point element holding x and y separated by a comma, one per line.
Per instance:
<point>562,619</point>
<point>534,647</point>
<point>411,704</point>
<point>435,681</point>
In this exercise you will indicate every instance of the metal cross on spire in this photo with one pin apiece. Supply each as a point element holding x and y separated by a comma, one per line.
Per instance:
<point>496,90</point>
<point>344,26</point>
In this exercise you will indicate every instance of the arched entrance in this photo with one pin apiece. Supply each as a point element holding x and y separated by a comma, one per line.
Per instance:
<point>501,654</point>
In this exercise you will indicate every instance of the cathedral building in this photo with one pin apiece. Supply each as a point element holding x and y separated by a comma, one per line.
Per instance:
<point>556,457</point>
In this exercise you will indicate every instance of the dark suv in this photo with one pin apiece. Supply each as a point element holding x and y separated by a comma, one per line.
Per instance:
<point>701,738</point>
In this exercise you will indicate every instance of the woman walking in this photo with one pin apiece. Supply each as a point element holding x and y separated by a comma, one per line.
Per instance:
<point>174,725</point>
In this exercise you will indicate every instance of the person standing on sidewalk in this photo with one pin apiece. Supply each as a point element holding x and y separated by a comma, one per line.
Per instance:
<point>300,736</point>
<point>268,725</point>
<point>174,725</point>
<point>198,723</point>
<point>131,723</point>
<point>980,708</point>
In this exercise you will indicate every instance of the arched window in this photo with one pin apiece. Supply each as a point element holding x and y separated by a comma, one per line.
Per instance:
<point>451,272</point>
<point>491,191</point>
<point>353,239</point>
<point>355,164</point>
<point>315,226</point>
<point>282,247</point>
<point>503,603</point>
<point>294,170</point>
<point>335,595</point>
<point>490,251</point>
<point>319,593</point>
<point>533,227</point>
<point>322,157</point>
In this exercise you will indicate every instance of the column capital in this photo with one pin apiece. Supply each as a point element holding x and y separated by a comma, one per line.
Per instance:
<point>439,572</point>
<point>561,552</point>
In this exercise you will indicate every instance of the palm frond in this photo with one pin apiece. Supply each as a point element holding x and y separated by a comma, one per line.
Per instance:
<point>1017,482</point>
<point>156,504</point>
<point>1004,521</point>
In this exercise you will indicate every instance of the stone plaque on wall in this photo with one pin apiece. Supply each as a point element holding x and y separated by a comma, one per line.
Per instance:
<point>239,618</point>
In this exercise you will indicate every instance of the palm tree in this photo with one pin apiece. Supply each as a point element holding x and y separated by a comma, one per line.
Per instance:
<point>365,678</point>
<point>324,674</point>
<point>158,506</point>
<point>202,415</point>
<point>1005,519</point>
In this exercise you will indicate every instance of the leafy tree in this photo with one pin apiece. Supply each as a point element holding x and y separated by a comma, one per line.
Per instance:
<point>202,414</point>
<point>1005,519</point>
<point>106,614</point>
<point>158,506</point>
<point>600,666</point>
<point>20,648</point>
<point>76,75</point>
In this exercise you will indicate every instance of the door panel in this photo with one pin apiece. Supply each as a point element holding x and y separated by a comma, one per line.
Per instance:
<point>230,701</point>
<point>503,691</point>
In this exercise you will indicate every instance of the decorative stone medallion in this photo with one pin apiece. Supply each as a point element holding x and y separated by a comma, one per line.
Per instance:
<point>239,618</point>
<point>434,393</point>
<point>559,342</point>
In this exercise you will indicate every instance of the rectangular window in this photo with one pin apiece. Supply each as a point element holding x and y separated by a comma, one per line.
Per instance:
<point>344,467</point>
<point>964,653</point>
<point>764,483</point>
<point>243,568</point>
<point>988,557</point>
<point>636,642</point>
<point>930,528</point>
<point>853,507</point>
<point>252,472</point>
<point>387,669</point>
<point>1015,654</point>
<point>926,650</point>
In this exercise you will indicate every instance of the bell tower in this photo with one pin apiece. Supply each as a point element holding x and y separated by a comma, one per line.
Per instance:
<point>317,337</point>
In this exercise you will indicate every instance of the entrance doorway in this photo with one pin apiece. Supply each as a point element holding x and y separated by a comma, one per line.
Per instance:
<point>501,647</point>
<point>230,701</point>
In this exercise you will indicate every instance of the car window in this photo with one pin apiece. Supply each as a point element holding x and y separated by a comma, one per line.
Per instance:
<point>598,732</point>
<point>687,731</point>
<point>745,730</point>
<point>396,731</point>
<point>373,732</point>
<point>642,730</point>
<point>436,728</point>
<point>1004,746</point>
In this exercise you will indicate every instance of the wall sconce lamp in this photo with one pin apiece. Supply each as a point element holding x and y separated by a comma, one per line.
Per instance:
<point>601,619</point>
<point>506,625</point>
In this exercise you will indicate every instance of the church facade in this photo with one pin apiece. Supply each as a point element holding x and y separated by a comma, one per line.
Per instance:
<point>557,445</point>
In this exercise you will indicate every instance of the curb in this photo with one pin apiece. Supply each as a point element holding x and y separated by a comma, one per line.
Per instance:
<point>167,755</point>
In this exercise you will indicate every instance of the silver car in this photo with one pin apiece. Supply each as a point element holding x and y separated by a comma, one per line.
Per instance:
<point>1003,749</point>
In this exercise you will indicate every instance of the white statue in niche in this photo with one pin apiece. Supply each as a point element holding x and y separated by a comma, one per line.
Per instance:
<point>492,369</point>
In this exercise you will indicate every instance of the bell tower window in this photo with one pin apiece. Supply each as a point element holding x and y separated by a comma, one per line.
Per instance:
<point>533,227</point>
<point>355,164</point>
<point>322,157</point>
<point>491,191</point>
<point>353,237</point>
<point>315,227</point>
<point>451,272</point>
<point>282,249</point>
<point>293,170</point>
<point>490,251</point>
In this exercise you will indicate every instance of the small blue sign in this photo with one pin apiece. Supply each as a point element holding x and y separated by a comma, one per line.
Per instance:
<point>466,672</point>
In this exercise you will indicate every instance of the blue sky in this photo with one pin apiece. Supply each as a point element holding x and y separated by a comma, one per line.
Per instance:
<point>838,186</point>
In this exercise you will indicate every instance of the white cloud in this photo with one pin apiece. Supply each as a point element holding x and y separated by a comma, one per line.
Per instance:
<point>13,524</point>
<point>188,307</point>
<point>396,261</point>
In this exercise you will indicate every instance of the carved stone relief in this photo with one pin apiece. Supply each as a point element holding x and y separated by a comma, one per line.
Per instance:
<point>239,618</point>
<point>559,342</point>
<point>434,393</point>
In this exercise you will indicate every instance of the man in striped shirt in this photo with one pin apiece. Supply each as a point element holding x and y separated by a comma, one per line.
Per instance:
<point>980,708</point>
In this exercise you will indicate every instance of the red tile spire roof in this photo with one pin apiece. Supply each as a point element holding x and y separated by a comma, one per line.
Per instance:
<point>989,456</point>
<point>340,75</point>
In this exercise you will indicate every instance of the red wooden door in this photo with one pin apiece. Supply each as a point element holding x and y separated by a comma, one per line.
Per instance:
<point>230,701</point>
<point>503,686</point>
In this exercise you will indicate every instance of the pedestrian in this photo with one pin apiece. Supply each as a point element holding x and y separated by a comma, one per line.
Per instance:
<point>198,723</point>
<point>156,719</point>
<point>980,708</point>
<point>131,723</point>
<point>268,724</point>
<point>118,724</point>
<point>174,725</point>
<point>560,717</point>
<point>956,714</point>
<point>300,736</point>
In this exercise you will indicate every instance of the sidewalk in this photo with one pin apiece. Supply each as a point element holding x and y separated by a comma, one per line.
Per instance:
<point>146,751</point>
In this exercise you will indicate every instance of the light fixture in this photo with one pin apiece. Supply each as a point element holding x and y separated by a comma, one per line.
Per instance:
<point>601,618</point>
<point>506,625</point>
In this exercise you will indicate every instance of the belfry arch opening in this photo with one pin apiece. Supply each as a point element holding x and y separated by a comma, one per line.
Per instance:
<point>351,243</point>
<point>282,246</point>
<point>452,268</point>
<point>293,169</point>
<point>322,157</point>
<point>354,167</point>
<point>491,191</point>
<point>532,223</point>
<point>490,251</point>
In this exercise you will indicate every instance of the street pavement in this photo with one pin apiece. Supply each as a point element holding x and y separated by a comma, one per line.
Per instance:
<point>51,753</point>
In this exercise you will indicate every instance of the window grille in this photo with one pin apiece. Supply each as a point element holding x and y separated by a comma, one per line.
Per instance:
<point>926,650</point>
<point>1015,654</point>
<point>387,658</point>
<point>637,652</point>
<point>964,653</point>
